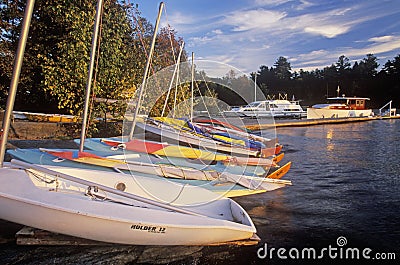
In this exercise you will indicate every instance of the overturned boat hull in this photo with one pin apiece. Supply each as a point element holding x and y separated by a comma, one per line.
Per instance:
<point>67,210</point>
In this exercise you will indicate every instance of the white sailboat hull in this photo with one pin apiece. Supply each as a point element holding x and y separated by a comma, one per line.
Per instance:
<point>71,212</point>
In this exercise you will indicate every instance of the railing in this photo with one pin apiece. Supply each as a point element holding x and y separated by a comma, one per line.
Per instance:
<point>390,112</point>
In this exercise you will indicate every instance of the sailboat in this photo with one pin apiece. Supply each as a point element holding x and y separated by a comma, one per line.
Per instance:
<point>174,130</point>
<point>223,183</point>
<point>171,150</point>
<point>62,203</point>
<point>208,137</point>
<point>97,145</point>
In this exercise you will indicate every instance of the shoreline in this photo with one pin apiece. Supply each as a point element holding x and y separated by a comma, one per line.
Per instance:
<point>42,130</point>
<point>311,122</point>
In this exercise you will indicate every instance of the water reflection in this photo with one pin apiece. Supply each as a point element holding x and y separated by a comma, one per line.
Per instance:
<point>346,180</point>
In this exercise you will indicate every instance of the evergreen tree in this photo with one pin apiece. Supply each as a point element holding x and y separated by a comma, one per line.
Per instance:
<point>282,68</point>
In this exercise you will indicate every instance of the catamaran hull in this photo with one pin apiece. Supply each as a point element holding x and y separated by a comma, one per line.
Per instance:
<point>81,216</point>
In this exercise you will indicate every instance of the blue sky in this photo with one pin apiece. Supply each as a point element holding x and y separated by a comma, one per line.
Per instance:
<point>309,33</point>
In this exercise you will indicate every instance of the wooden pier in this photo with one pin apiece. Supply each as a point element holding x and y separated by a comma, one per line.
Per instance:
<point>32,236</point>
<point>311,122</point>
<point>38,237</point>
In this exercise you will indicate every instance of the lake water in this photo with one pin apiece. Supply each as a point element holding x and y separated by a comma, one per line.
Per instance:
<point>346,183</point>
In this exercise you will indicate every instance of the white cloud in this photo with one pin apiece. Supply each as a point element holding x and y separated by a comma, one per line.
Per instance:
<point>248,38</point>
<point>177,18</point>
<point>381,39</point>
<point>253,19</point>
<point>190,23</point>
<point>329,31</point>
<point>217,31</point>
<point>217,66</point>
<point>340,12</point>
<point>322,58</point>
<point>304,4</point>
<point>328,24</point>
<point>195,41</point>
<point>271,2</point>
<point>380,45</point>
<point>296,4</point>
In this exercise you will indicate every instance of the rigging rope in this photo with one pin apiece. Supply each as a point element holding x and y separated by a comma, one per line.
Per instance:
<point>169,33</point>
<point>139,28</point>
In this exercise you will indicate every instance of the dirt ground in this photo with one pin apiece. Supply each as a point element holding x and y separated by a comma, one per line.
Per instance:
<point>28,130</point>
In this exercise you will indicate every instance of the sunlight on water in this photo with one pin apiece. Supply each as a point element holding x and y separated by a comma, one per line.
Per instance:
<point>346,181</point>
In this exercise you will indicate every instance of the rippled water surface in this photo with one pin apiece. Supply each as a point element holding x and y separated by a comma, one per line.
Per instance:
<point>346,182</point>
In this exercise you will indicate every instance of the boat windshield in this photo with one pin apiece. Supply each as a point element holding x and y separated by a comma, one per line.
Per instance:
<point>337,100</point>
<point>253,104</point>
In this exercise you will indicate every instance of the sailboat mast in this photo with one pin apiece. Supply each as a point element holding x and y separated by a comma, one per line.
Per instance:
<point>255,86</point>
<point>90,74</point>
<point>146,70</point>
<point>15,77</point>
<point>173,78</point>
<point>177,78</point>
<point>192,88</point>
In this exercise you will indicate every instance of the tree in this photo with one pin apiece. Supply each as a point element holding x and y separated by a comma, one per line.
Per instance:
<point>8,9</point>
<point>282,68</point>
<point>58,53</point>
<point>41,39</point>
<point>343,65</point>
<point>389,80</point>
<point>65,72</point>
<point>392,67</point>
<point>368,66</point>
<point>264,77</point>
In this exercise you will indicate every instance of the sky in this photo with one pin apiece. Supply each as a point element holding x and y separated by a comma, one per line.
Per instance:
<point>309,33</point>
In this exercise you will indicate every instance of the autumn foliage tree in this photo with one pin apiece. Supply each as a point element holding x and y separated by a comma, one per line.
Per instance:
<point>56,59</point>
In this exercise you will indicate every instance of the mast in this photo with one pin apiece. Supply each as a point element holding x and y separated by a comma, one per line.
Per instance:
<point>146,70</point>
<point>255,86</point>
<point>90,74</point>
<point>192,88</point>
<point>173,79</point>
<point>177,78</point>
<point>15,77</point>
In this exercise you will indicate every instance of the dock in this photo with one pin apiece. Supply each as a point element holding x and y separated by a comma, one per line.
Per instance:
<point>32,236</point>
<point>29,236</point>
<point>253,126</point>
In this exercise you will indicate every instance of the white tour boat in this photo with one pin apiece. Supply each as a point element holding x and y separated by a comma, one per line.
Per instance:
<point>340,107</point>
<point>278,108</point>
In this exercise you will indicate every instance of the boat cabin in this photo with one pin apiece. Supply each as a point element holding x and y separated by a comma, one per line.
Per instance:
<point>353,103</point>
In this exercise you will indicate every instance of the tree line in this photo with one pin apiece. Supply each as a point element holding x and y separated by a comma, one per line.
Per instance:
<point>362,79</point>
